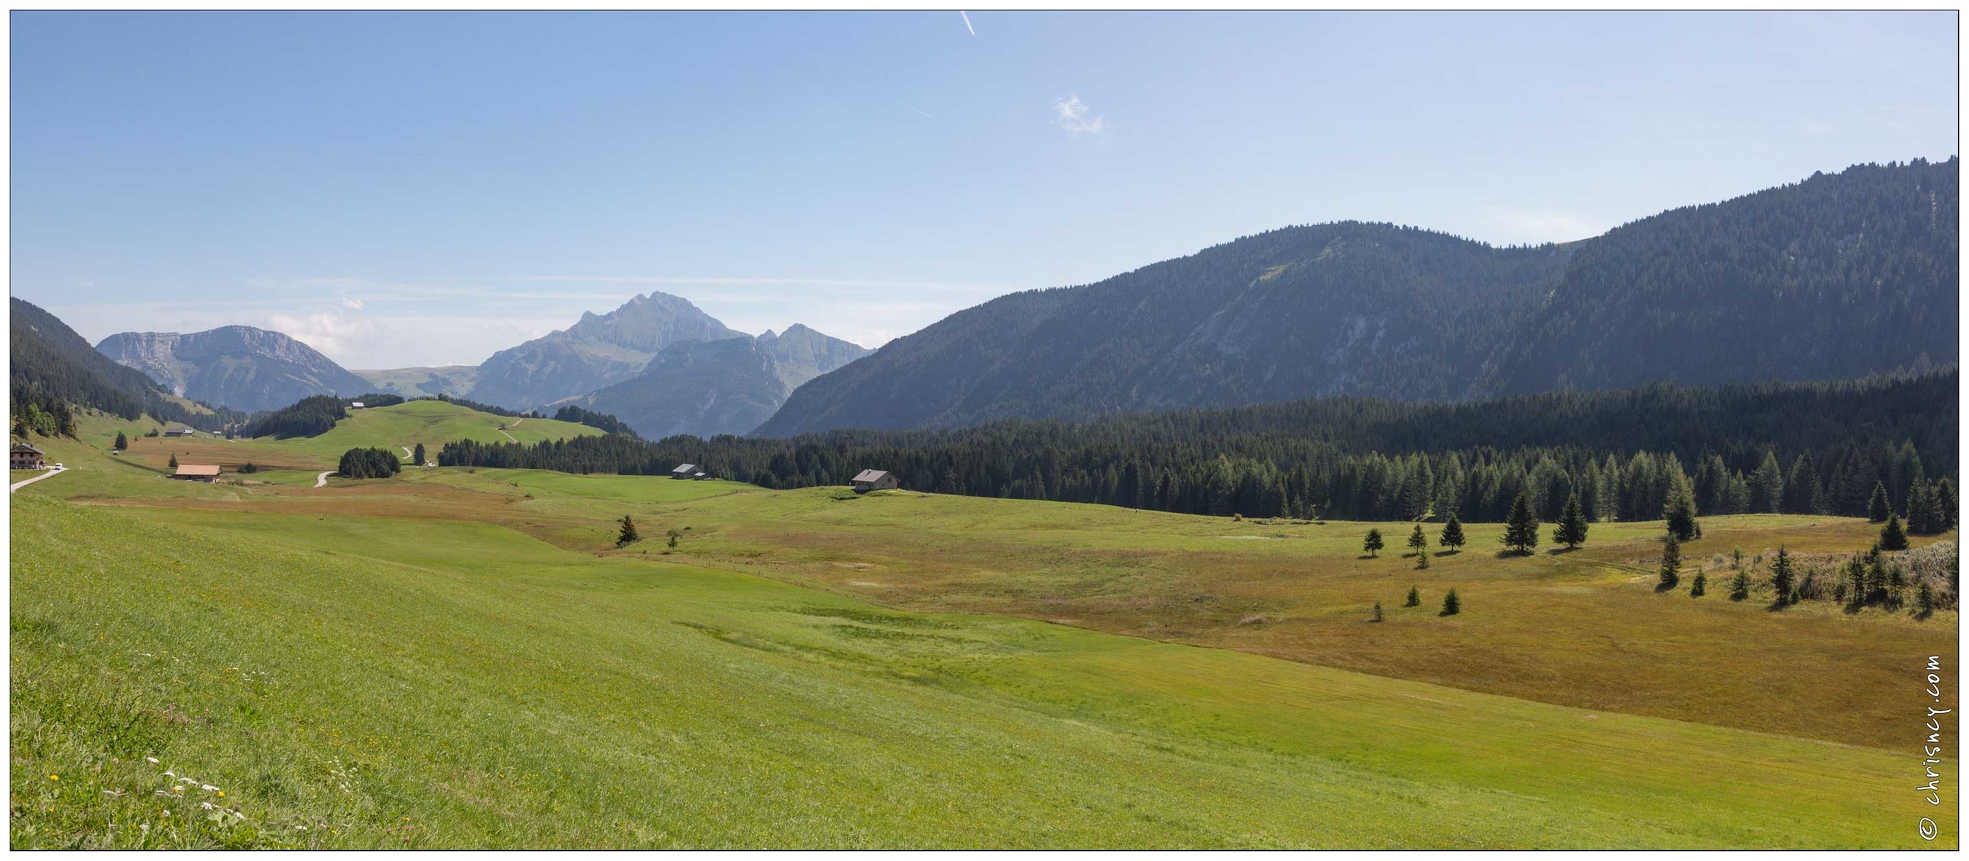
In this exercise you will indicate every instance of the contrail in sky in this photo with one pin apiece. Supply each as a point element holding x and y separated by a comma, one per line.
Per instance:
<point>919,110</point>
<point>967,22</point>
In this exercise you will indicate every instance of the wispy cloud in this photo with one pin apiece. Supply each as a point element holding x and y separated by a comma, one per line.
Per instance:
<point>1517,226</point>
<point>1073,115</point>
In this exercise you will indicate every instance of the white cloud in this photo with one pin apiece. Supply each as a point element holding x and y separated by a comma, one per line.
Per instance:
<point>1073,115</point>
<point>1509,226</point>
<point>351,304</point>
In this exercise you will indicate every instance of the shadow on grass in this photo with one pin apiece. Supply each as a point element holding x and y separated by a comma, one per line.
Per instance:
<point>1508,553</point>
<point>1667,587</point>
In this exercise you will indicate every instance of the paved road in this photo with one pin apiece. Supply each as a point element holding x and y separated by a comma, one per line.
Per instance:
<point>322,479</point>
<point>27,481</point>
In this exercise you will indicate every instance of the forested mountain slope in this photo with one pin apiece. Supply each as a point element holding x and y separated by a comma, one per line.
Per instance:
<point>49,363</point>
<point>1300,312</point>
<point>1839,276</point>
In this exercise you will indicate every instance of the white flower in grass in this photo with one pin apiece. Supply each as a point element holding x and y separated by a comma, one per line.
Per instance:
<point>151,759</point>
<point>208,787</point>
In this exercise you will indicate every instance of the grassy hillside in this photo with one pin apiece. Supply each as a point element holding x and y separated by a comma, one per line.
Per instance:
<point>404,425</point>
<point>359,682</point>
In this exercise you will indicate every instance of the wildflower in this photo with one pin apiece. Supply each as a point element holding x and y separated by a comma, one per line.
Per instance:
<point>168,773</point>
<point>177,789</point>
<point>205,804</point>
<point>151,759</point>
<point>208,787</point>
<point>222,793</point>
<point>54,777</point>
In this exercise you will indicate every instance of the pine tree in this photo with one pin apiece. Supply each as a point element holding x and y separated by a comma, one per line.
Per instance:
<point>122,442</point>
<point>1521,528</point>
<point>1571,530</point>
<point>1452,605</point>
<point>1783,578</point>
<point>1372,544</point>
<point>1700,586</point>
<point>1414,598</point>
<point>1418,542</point>
<point>1452,536</point>
<point>1919,510</point>
<point>1377,612</point>
<point>1877,508</point>
<point>1893,536</point>
<point>1924,599</point>
<point>628,534</point>
<point>1767,485</point>
<point>674,536</point>
<point>418,456</point>
<point>174,461</point>
<point>1944,497</point>
<point>1740,585</point>
<point>1422,560</point>
<point>1671,563</point>
<point>1680,510</point>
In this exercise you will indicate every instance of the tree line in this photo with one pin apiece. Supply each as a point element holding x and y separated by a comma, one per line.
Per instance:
<point>1624,454</point>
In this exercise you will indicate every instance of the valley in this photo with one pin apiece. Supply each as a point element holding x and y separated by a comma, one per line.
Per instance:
<point>1088,669</point>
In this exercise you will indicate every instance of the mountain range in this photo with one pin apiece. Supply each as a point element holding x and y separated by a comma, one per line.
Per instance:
<point>667,366</point>
<point>1837,276</point>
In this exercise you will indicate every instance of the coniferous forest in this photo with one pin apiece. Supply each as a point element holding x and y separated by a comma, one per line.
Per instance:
<point>1795,447</point>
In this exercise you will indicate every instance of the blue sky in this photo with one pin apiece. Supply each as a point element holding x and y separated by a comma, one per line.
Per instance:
<point>428,188</point>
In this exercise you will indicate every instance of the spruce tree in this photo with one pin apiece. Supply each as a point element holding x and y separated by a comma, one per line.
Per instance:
<point>1671,563</point>
<point>418,456</point>
<point>1422,561</point>
<point>1740,585</point>
<point>1372,544</point>
<point>1877,508</point>
<point>122,442</point>
<point>1452,605</point>
<point>1418,542</point>
<point>628,534</point>
<point>1571,530</point>
<point>1680,510</point>
<point>1944,498</point>
<point>1700,586</point>
<point>1892,536</point>
<point>1783,578</point>
<point>1452,536</point>
<point>174,461</point>
<point>1919,510</point>
<point>1414,598</point>
<point>1377,612</point>
<point>1924,599</point>
<point>1521,528</point>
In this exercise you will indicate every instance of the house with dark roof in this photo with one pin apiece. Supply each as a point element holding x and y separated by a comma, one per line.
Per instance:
<point>26,456</point>
<point>875,479</point>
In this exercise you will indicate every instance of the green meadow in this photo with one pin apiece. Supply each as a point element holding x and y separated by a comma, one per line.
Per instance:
<point>464,658</point>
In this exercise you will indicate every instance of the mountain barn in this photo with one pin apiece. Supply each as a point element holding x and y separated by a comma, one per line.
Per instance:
<point>206,472</point>
<point>25,456</point>
<point>875,479</point>
<point>684,470</point>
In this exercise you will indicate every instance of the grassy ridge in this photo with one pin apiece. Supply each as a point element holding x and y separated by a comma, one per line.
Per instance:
<point>393,683</point>
<point>432,423</point>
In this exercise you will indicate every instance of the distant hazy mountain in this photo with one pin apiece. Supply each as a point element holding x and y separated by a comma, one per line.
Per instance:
<point>233,366</point>
<point>593,353</point>
<point>1838,276</point>
<point>47,359</point>
<point>706,388</point>
<point>421,382</point>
